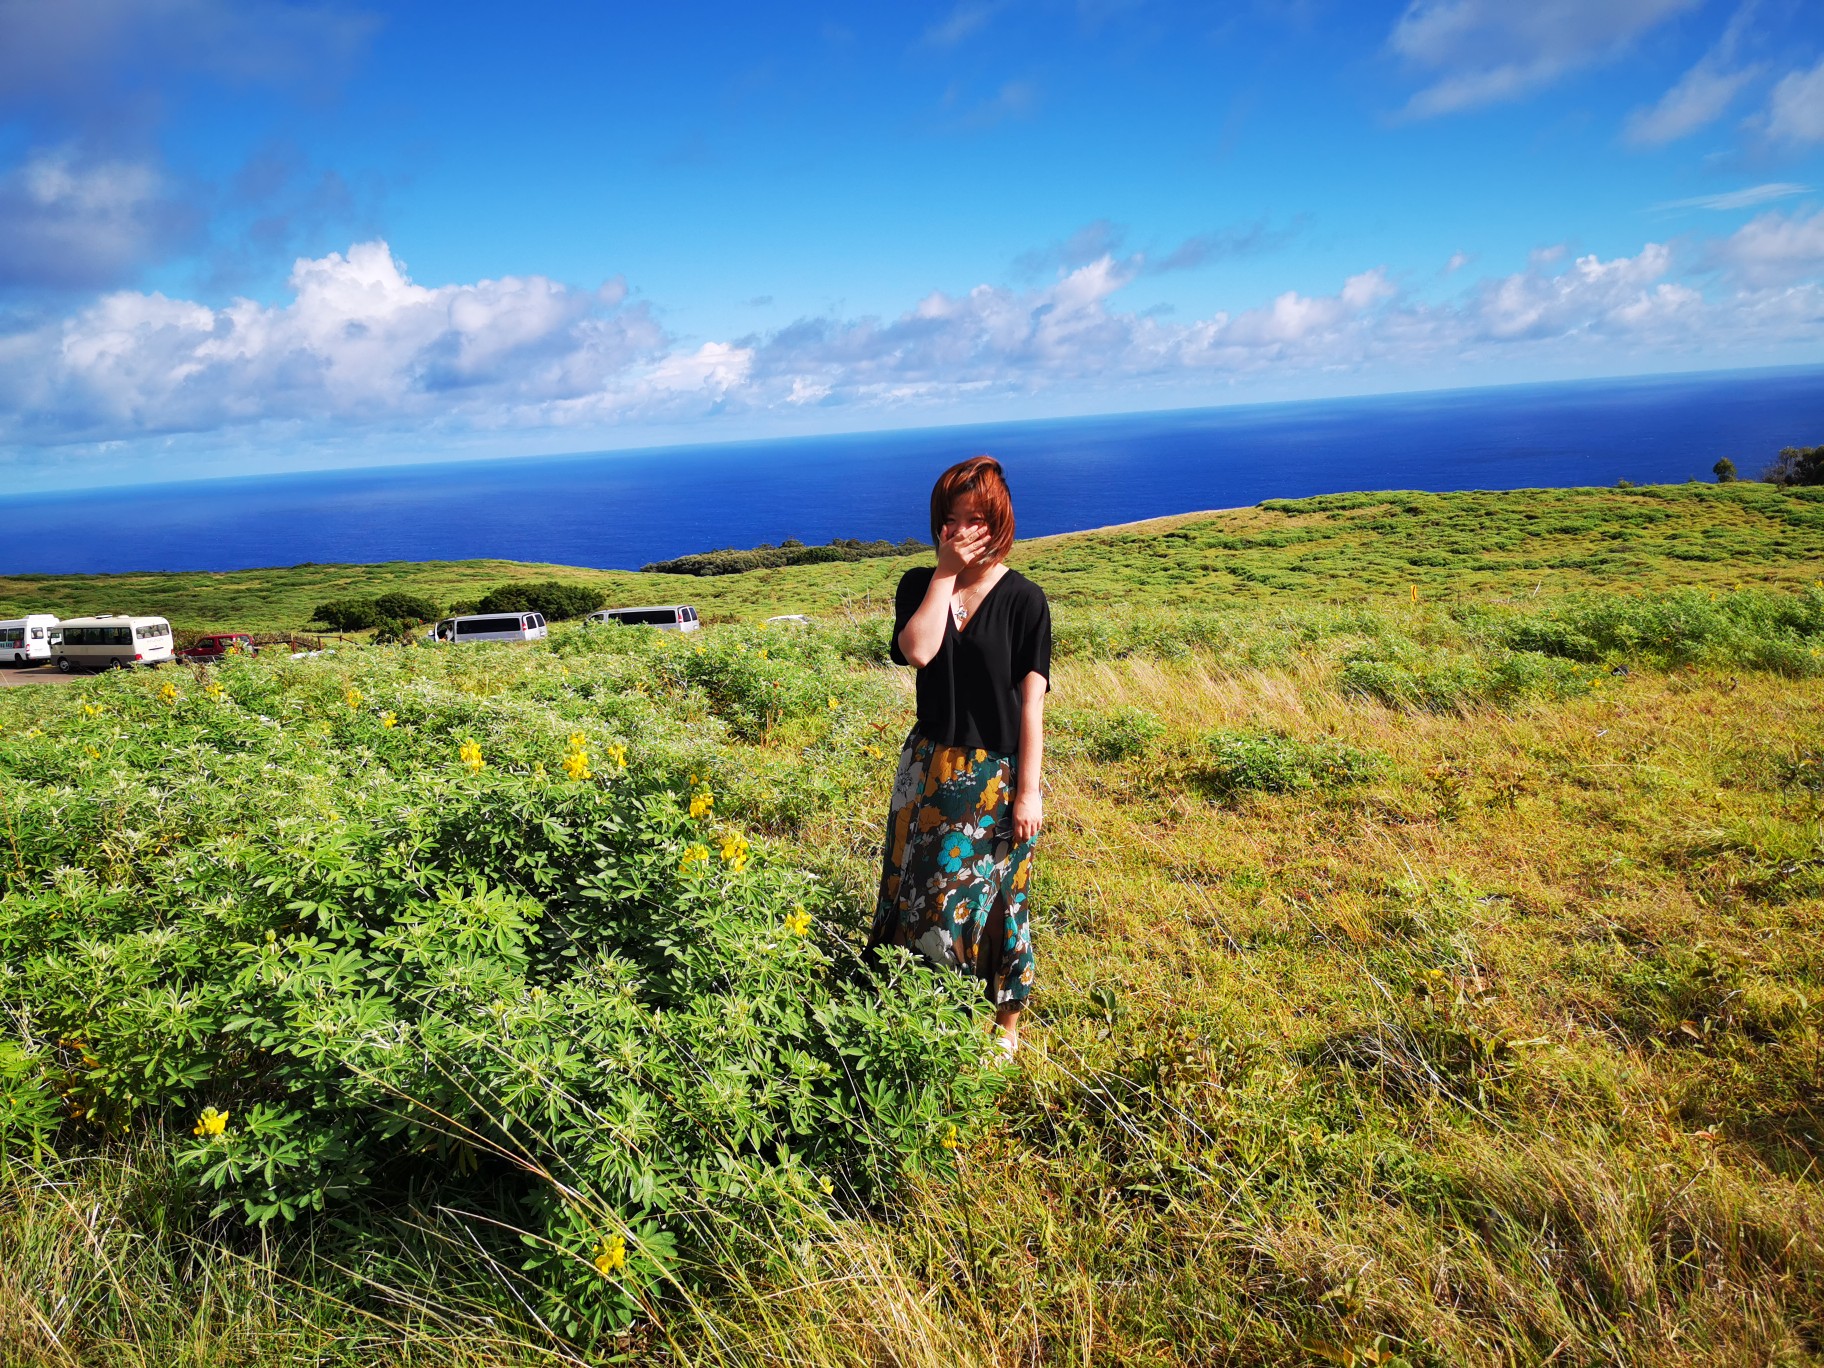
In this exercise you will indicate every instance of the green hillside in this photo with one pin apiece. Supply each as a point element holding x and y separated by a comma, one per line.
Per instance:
<point>1419,984</point>
<point>1343,548</point>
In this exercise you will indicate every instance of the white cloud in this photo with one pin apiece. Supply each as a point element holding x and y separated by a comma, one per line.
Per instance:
<point>69,222</point>
<point>358,346</point>
<point>1795,113</point>
<point>358,342</point>
<point>89,53</point>
<point>1774,250</point>
<point>1745,198</point>
<point>1701,96</point>
<point>1489,51</point>
<point>1591,295</point>
<point>964,21</point>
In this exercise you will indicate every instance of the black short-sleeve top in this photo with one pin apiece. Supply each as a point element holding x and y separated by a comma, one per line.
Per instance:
<point>969,695</point>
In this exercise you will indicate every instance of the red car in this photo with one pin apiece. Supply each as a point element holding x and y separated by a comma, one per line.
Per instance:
<point>218,646</point>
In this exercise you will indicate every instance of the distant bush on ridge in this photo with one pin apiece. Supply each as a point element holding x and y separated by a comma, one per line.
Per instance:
<point>790,552</point>
<point>1797,466</point>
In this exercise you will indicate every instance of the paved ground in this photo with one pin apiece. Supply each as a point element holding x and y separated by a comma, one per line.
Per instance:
<point>18,676</point>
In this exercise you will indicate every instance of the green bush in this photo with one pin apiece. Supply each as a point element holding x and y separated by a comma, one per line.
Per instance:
<point>1125,734</point>
<point>1797,466</point>
<point>1402,674</point>
<point>347,615</point>
<point>732,562</point>
<point>559,602</point>
<point>349,934</point>
<point>1748,629</point>
<point>1229,763</point>
<point>410,607</point>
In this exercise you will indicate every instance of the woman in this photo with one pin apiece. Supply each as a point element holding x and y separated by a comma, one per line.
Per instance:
<point>966,802</point>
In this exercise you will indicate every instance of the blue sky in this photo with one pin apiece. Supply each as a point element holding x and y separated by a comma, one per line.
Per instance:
<point>256,236</point>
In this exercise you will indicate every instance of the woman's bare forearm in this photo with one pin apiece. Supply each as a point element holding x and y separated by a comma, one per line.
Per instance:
<point>1032,730</point>
<point>1029,783</point>
<point>923,635</point>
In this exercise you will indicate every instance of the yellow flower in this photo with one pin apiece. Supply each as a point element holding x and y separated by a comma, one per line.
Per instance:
<point>352,697</point>
<point>611,1255</point>
<point>211,1123</point>
<point>734,852</point>
<point>798,922</point>
<point>701,802</point>
<point>470,754</point>
<point>763,653</point>
<point>694,853</point>
<point>388,720</point>
<point>578,741</point>
<point>214,690</point>
<point>168,694</point>
<point>618,754</point>
<point>93,753</point>
<point>873,752</point>
<point>827,1186</point>
<point>538,769</point>
<point>92,710</point>
<point>576,765</point>
<point>833,703</point>
<point>950,1140</point>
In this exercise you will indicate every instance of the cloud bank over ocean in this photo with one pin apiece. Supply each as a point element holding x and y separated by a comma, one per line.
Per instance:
<point>359,342</point>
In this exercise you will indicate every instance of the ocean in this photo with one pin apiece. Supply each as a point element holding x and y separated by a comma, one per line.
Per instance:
<point>625,509</point>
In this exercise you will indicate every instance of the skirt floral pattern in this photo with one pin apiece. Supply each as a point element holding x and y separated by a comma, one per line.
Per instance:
<point>953,881</point>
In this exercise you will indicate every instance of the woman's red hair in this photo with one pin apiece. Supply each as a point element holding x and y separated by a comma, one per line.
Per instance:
<point>982,477</point>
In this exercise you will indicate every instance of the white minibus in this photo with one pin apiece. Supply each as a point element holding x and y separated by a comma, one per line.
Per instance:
<point>492,627</point>
<point>27,640</point>
<point>672,617</point>
<point>110,641</point>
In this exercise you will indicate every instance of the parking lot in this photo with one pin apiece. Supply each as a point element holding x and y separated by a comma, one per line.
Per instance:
<point>20,675</point>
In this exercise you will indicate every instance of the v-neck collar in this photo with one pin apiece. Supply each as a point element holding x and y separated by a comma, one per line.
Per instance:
<point>982,603</point>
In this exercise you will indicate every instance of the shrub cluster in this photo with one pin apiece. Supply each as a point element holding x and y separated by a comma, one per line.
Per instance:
<point>1750,629</point>
<point>1231,762</point>
<point>559,602</point>
<point>450,929</point>
<point>789,552</point>
<point>1402,674</point>
<point>1797,466</point>
<point>358,614</point>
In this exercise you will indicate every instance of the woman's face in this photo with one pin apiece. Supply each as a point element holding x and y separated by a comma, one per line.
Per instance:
<point>966,515</point>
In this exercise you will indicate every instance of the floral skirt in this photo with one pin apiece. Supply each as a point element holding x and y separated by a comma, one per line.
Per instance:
<point>953,881</point>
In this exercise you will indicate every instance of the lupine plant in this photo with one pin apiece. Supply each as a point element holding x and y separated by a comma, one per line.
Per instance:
<point>337,930</point>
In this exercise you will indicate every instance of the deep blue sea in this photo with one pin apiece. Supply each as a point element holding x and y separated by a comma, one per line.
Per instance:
<point>624,509</point>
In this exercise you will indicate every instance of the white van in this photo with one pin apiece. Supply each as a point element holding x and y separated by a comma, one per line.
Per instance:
<point>27,640</point>
<point>673,617</point>
<point>492,627</point>
<point>109,641</point>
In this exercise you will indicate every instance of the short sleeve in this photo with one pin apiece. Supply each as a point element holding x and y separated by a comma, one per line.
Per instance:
<point>1032,640</point>
<point>906,599</point>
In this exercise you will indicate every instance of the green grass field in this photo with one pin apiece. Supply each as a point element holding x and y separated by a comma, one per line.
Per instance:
<point>1345,548</point>
<point>1423,983</point>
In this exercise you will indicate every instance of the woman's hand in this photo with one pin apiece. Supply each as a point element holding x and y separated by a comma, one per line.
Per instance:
<point>1028,814</point>
<point>957,553</point>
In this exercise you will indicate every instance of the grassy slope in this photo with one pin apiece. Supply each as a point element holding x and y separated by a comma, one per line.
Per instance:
<point>1338,548</point>
<point>1509,1054</point>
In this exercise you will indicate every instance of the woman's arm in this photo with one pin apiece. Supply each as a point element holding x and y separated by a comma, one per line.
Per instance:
<point>1028,793</point>
<point>923,635</point>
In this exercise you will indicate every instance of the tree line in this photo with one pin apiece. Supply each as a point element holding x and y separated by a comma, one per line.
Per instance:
<point>1793,466</point>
